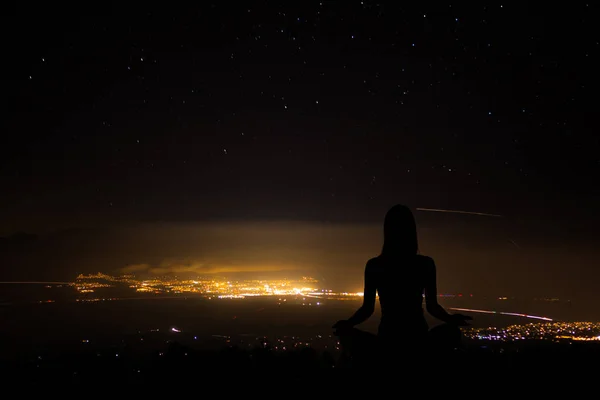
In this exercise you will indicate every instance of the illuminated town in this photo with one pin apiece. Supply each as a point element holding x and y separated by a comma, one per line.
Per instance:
<point>553,331</point>
<point>213,287</point>
<point>91,288</point>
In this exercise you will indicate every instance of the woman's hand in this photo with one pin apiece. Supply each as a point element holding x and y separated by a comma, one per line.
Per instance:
<point>342,325</point>
<point>460,320</point>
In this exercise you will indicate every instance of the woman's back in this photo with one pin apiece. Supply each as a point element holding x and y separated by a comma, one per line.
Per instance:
<point>400,283</point>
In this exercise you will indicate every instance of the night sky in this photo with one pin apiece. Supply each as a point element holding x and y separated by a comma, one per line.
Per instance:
<point>322,115</point>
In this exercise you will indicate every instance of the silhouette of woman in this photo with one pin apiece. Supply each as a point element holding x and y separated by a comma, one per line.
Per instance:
<point>401,277</point>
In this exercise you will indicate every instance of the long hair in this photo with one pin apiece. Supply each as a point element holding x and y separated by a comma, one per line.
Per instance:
<point>399,233</point>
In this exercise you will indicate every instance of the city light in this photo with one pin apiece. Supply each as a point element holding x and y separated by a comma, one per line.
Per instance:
<point>553,331</point>
<point>212,287</point>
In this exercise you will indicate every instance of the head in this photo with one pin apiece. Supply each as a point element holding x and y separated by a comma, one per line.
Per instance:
<point>399,232</point>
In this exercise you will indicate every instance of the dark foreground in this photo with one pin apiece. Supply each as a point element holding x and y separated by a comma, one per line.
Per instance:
<point>478,368</point>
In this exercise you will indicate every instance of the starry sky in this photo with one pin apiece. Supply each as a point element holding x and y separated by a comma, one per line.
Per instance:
<point>313,112</point>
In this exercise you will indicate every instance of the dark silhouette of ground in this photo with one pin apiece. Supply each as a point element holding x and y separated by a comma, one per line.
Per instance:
<point>476,370</point>
<point>402,278</point>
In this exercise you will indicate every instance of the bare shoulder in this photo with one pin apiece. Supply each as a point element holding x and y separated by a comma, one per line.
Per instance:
<point>373,262</point>
<point>425,261</point>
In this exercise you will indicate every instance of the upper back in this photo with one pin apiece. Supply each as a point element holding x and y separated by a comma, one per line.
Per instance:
<point>400,281</point>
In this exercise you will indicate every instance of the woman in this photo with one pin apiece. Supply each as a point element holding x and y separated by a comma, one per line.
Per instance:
<point>402,278</point>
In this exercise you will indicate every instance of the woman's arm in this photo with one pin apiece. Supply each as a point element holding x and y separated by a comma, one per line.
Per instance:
<point>431,301</point>
<point>368,306</point>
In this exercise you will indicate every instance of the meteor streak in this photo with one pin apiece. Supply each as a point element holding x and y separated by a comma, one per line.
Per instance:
<point>515,243</point>
<point>459,212</point>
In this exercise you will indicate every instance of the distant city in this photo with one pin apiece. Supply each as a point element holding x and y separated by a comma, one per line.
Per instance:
<point>558,332</point>
<point>226,288</point>
<point>213,287</point>
<point>308,287</point>
<point>305,291</point>
<point>554,331</point>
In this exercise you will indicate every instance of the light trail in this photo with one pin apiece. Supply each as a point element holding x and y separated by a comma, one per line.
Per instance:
<point>460,212</point>
<point>38,283</point>
<point>502,313</point>
<point>312,295</point>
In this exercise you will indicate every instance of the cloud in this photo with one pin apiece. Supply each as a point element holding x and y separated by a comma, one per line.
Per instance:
<point>132,269</point>
<point>195,267</point>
